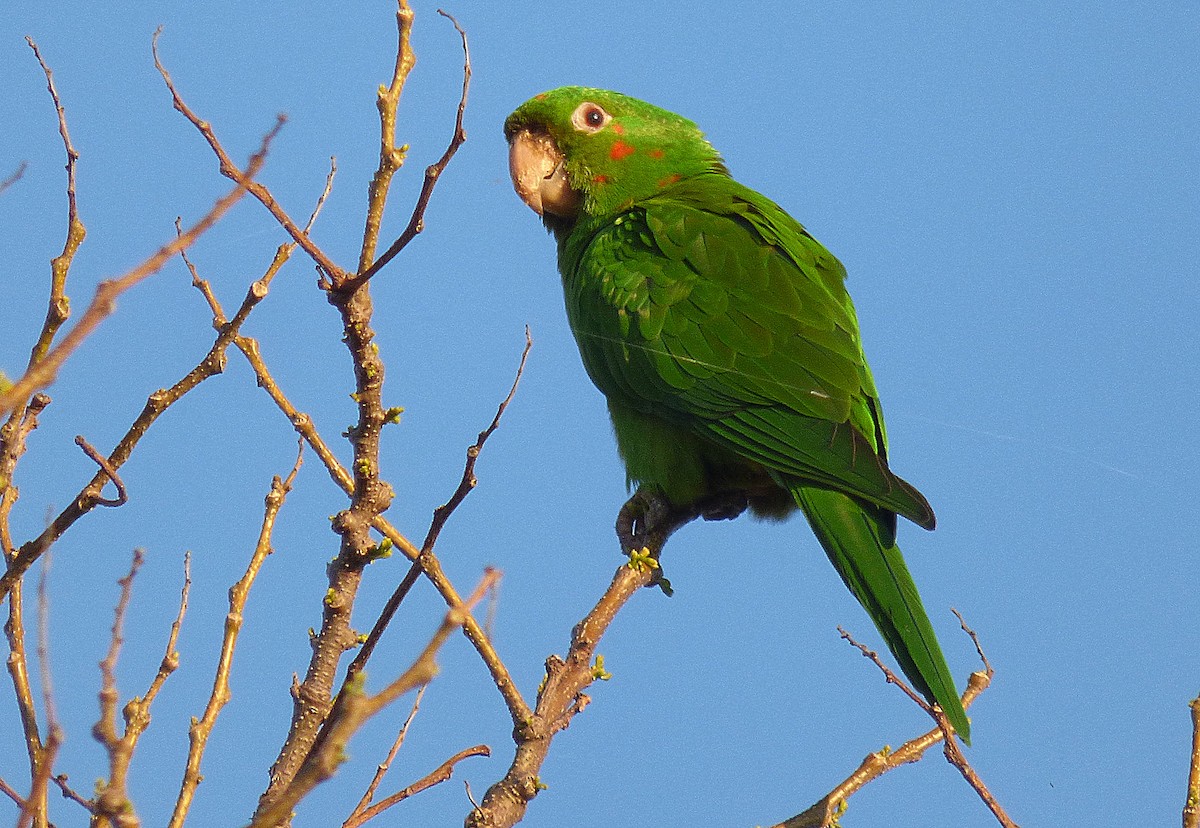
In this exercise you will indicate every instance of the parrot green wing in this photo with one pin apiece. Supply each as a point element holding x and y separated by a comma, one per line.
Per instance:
<point>710,307</point>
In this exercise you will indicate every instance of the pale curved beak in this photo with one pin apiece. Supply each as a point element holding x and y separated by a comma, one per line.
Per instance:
<point>539,175</point>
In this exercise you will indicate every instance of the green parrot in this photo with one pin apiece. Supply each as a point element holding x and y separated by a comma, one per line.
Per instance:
<point>724,340</point>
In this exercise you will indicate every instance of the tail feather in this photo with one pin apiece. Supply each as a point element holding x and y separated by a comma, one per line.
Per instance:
<point>858,543</point>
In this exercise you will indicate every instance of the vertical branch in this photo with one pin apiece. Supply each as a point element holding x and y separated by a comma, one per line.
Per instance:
<point>199,732</point>
<point>21,421</point>
<point>112,797</point>
<point>416,222</point>
<point>34,810</point>
<point>1191,807</point>
<point>354,708</point>
<point>391,157</point>
<point>13,436</point>
<point>59,307</point>
<point>370,495</point>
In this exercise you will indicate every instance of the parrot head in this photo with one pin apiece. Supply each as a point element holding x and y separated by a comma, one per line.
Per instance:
<point>577,151</point>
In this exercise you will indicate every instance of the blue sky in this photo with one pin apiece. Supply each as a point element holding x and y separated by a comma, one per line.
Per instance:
<point>1015,194</point>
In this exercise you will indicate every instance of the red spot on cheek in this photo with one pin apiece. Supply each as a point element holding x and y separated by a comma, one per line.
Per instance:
<point>656,154</point>
<point>600,179</point>
<point>620,150</point>
<point>617,128</point>
<point>669,180</point>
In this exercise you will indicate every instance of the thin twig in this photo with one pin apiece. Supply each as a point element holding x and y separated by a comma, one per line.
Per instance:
<point>440,774</point>
<point>9,791</point>
<point>70,793</point>
<point>16,176</point>
<point>244,178</point>
<point>354,708</point>
<point>100,460</point>
<point>59,308</point>
<point>104,302</point>
<point>112,797</point>
<point>891,677</point>
<point>433,172</point>
<point>518,707</point>
<point>954,756</point>
<point>382,768</point>
<point>201,728</point>
<point>139,710</point>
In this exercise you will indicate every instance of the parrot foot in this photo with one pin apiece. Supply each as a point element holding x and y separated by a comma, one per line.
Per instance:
<point>724,506</point>
<point>640,519</point>
<point>643,525</point>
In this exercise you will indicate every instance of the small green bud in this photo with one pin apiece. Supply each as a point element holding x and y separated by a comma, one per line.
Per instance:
<point>598,671</point>
<point>641,560</point>
<point>383,550</point>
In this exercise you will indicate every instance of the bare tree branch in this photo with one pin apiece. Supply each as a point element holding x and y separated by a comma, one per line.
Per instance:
<point>16,176</point>
<point>112,797</point>
<point>100,460</point>
<point>391,157</point>
<point>13,436</point>
<point>442,773</point>
<point>244,178</point>
<point>433,172</point>
<point>517,705</point>
<point>45,370</point>
<point>34,811</point>
<point>1191,807</point>
<point>201,728</point>
<point>353,708</point>
<point>59,308</point>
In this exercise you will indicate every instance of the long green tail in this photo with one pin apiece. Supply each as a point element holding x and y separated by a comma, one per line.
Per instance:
<point>854,538</point>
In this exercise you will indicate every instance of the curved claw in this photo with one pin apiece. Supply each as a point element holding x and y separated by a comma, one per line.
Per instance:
<point>638,519</point>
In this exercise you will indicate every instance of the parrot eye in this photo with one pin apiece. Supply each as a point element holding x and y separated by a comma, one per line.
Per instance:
<point>589,117</point>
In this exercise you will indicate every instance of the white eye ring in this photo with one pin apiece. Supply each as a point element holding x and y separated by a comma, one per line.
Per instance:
<point>589,117</point>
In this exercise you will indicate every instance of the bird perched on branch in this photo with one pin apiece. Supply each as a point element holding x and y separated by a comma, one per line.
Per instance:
<point>723,337</point>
